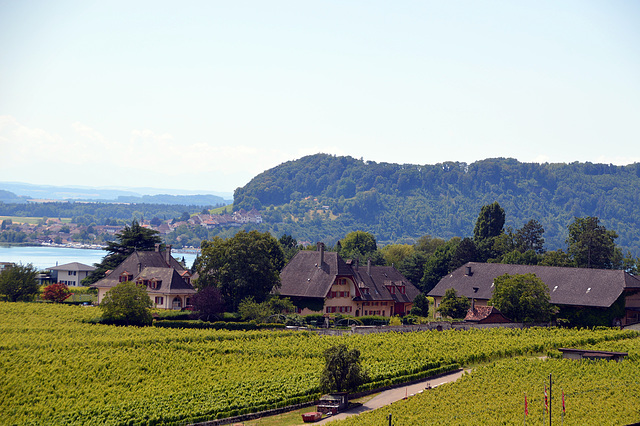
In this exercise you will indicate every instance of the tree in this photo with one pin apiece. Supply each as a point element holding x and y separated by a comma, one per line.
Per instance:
<point>420,306</point>
<point>591,245</point>
<point>453,306</point>
<point>18,283</point>
<point>208,302</point>
<point>130,239</point>
<point>394,254</point>
<point>556,258</point>
<point>488,226</point>
<point>247,264</point>
<point>438,265</point>
<point>522,298</point>
<point>529,237</point>
<point>289,246</point>
<point>342,370</point>
<point>361,241</point>
<point>464,252</point>
<point>127,303</point>
<point>56,293</point>
<point>250,310</point>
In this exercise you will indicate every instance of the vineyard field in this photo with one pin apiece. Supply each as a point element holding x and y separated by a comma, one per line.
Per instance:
<point>57,369</point>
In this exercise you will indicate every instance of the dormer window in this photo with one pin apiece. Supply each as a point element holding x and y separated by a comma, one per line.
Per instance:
<point>155,284</point>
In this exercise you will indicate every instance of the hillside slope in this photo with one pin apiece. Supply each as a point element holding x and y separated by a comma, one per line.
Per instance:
<point>323,197</point>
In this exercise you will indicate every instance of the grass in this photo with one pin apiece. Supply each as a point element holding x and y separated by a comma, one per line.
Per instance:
<point>31,220</point>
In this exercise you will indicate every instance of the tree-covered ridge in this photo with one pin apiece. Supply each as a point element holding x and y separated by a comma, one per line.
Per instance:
<point>396,201</point>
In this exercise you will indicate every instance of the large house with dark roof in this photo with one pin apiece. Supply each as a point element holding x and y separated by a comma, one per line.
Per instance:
<point>168,283</point>
<point>323,282</point>
<point>568,287</point>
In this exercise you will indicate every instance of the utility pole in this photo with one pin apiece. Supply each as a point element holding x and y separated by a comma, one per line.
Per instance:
<point>550,399</point>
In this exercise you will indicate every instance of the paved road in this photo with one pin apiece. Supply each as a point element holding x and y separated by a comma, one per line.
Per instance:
<point>393,395</point>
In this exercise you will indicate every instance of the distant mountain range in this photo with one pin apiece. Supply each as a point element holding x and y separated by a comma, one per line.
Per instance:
<point>323,197</point>
<point>17,192</point>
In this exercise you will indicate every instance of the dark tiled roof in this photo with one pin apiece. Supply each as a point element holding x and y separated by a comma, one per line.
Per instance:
<point>567,286</point>
<point>171,280</point>
<point>303,277</point>
<point>73,266</point>
<point>149,263</point>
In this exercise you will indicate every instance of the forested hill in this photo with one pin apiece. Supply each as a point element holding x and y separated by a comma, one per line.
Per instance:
<point>398,202</point>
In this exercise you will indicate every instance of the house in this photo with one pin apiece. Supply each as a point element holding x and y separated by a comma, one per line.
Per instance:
<point>569,288</point>
<point>6,265</point>
<point>323,282</point>
<point>168,283</point>
<point>70,274</point>
<point>485,315</point>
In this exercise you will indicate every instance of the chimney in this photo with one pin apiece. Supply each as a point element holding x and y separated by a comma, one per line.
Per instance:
<point>356,263</point>
<point>167,254</point>
<point>473,303</point>
<point>320,246</point>
<point>157,247</point>
<point>369,267</point>
<point>469,273</point>
<point>139,267</point>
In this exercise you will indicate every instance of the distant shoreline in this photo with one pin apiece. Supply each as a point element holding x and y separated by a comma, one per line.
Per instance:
<point>85,247</point>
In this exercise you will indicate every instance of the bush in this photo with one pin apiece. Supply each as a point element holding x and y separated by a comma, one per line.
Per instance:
<point>56,293</point>
<point>127,304</point>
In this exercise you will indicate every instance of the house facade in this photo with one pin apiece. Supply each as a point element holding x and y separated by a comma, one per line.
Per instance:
<point>167,282</point>
<point>572,288</point>
<point>323,282</point>
<point>70,274</point>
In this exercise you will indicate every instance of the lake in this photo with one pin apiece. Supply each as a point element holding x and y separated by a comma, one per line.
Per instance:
<point>44,257</point>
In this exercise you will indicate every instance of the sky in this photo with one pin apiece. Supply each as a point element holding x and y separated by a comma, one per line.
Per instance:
<point>205,95</point>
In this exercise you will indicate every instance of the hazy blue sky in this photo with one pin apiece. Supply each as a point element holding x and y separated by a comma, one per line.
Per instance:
<point>204,95</point>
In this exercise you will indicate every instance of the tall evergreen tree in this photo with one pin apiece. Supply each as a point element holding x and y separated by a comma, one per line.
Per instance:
<point>130,239</point>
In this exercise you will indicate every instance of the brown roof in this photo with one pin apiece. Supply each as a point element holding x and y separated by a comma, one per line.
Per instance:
<point>147,265</point>
<point>304,276</point>
<point>171,280</point>
<point>567,286</point>
<point>482,313</point>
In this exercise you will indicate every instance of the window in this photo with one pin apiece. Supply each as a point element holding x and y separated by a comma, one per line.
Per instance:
<point>383,303</point>
<point>346,293</point>
<point>159,300</point>
<point>392,289</point>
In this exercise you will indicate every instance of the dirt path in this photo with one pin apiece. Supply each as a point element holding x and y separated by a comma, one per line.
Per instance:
<point>393,395</point>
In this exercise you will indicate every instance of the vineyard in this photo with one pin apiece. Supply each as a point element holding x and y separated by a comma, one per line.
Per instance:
<point>596,393</point>
<point>57,369</point>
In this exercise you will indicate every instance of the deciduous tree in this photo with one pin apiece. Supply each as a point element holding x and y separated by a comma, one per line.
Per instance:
<point>342,370</point>
<point>591,245</point>
<point>127,303</point>
<point>247,264</point>
<point>454,306</point>
<point>522,298</point>
<point>18,283</point>
<point>488,226</point>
